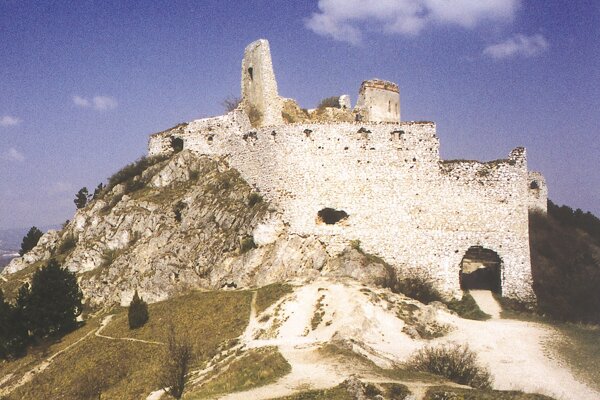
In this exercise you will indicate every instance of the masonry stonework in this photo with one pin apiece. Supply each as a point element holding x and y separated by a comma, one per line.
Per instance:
<point>419,213</point>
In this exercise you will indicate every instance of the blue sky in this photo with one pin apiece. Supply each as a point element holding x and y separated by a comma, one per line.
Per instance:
<point>83,83</point>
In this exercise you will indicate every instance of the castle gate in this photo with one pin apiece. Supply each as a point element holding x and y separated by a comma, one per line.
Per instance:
<point>481,269</point>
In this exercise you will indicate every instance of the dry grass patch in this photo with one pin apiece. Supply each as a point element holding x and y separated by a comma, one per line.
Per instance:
<point>121,369</point>
<point>255,368</point>
<point>268,295</point>
<point>212,319</point>
<point>580,348</point>
<point>452,393</point>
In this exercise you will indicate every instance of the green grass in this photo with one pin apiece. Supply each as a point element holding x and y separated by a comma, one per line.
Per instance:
<point>128,370</point>
<point>268,295</point>
<point>467,308</point>
<point>257,367</point>
<point>452,393</point>
<point>580,348</point>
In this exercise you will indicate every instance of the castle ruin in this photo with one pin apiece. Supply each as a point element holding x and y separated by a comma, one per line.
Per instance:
<point>365,175</point>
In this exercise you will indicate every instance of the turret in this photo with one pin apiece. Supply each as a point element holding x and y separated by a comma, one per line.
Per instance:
<point>379,101</point>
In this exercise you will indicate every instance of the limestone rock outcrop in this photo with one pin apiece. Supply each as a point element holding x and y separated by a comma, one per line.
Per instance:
<point>185,222</point>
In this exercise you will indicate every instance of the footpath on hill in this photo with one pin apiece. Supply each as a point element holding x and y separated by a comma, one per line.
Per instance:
<point>515,351</point>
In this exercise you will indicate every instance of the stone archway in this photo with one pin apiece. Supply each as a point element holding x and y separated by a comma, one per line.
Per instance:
<point>481,269</point>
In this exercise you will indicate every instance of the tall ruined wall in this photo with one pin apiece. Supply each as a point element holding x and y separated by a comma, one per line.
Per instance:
<point>379,101</point>
<point>403,203</point>
<point>259,87</point>
<point>538,192</point>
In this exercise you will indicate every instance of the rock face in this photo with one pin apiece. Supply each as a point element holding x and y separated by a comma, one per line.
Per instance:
<point>185,222</point>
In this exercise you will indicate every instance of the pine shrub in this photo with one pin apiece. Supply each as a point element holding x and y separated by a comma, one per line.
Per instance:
<point>138,312</point>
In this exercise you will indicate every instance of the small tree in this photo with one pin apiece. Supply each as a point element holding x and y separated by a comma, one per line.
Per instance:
<point>30,240</point>
<point>13,333</point>
<point>97,191</point>
<point>138,312</point>
<point>180,354</point>
<point>53,302</point>
<point>81,198</point>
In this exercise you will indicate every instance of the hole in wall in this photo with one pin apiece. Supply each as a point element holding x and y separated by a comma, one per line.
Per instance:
<point>176,144</point>
<point>331,216</point>
<point>251,73</point>
<point>534,185</point>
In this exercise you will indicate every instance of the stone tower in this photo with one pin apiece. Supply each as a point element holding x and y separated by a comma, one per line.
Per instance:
<point>259,87</point>
<point>379,101</point>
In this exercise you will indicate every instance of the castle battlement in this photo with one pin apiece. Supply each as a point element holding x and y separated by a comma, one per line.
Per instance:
<point>422,214</point>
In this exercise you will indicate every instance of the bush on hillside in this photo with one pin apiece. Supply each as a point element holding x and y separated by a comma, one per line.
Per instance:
<point>132,170</point>
<point>333,101</point>
<point>418,287</point>
<point>138,312</point>
<point>565,260</point>
<point>467,308</point>
<point>52,303</point>
<point>13,332</point>
<point>453,361</point>
<point>30,240</point>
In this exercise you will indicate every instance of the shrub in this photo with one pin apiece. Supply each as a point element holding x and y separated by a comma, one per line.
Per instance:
<point>453,361</point>
<point>467,308</point>
<point>333,101</point>
<point>67,244</point>
<point>231,103</point>
<point>177,209</point>
<point>420,288</point>
<point>137,314</point>
<point>81,198</point>
<point>180,354</point>
<point>53,302</point>
<point>247,244</point>
<point>254,198</point>
<point>132,170</point>
<point>30,240</point>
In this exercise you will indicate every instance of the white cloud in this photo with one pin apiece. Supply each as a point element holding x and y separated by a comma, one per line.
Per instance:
<point>518,45</point>
<point>345,20</point>
<point>99,103</point>
<point>13,155</point>
<point>81,102</point>
<point>104,103</point>
<point>9,120</point>
<point>61,187</point>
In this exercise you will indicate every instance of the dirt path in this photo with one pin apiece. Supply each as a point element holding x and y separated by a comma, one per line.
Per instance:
<point>518,358</point>
<point>486,302</point>
<point>107,320</point>
<point>41,367</point>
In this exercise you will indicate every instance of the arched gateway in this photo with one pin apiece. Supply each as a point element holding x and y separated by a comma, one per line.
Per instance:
<point>481,269</point>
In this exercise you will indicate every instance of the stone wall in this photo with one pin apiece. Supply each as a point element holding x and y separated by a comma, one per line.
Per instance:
<point>259,87</point>
<point>404,204</point>
<point>379,101</point>
<point>538,192</point>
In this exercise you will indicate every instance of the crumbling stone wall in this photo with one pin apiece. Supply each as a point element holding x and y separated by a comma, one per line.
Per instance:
<point>404,204</point>
<point>259,87</point>
<point>379,101</point>
<point>538,192</point>
<point>383,177</point>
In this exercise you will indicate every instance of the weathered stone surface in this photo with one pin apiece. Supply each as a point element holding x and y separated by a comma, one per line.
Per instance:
<point>419,213</point>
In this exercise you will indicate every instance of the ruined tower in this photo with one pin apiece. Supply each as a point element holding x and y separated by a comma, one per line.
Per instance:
<point>379,101</point>
<point>260,99</point>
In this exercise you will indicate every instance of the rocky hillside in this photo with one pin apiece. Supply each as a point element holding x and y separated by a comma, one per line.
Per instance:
<point>162,226</point>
